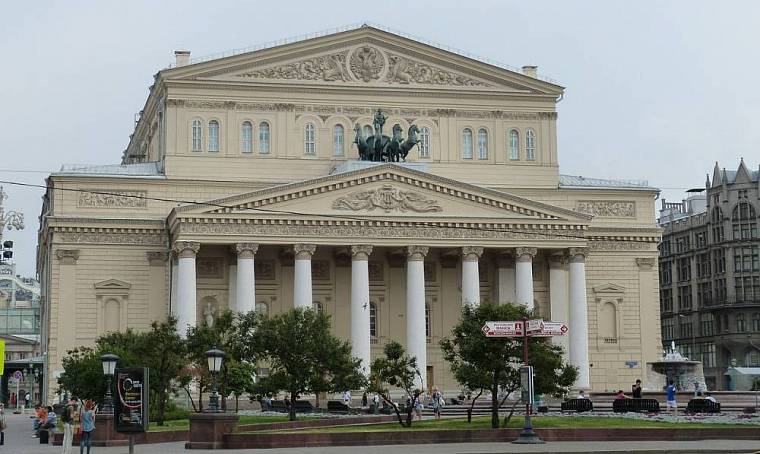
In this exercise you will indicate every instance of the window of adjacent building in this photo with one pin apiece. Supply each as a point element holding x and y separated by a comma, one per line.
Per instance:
<point>373,319</point>
<point>309,139</point>
<point>744,220</point>
<point>213,135</point>
<point>530,145</point>
<point>668,328</point>
<point>701,238</point>
<point>197,144</point>
<point>682,243</point>
<point>684,297</point>
<point>467,143</point>
<point>720,290</point>
<point>666,273</point>
<point>707,324</point>
<point>428,327</point>
<point>719,261</point>
<point>752,358</point>
<point>684,269</point>
<point>246,137</point>
<point>703,265</point>
<point>746,259</point>
<point>741,326</point>
<point>756,321</point>
<point>704,294</point>
<point>708,354</point>
<point>666,296</point>
<point>425,142</point>
<point>338,140</point>
<point>482,144</point>
<point>747,289</point>
<point>514,145</point>
<point>264,138</point>
<point>665,247</point>
<point>685,329</point>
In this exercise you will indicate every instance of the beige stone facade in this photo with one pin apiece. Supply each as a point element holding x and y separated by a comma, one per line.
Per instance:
<point>240,161</point>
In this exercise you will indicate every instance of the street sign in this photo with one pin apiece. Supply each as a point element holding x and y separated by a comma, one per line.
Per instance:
<point>503,329</point>
<point>534,326</point>
<point>550,329</point>
<point>18,375</point>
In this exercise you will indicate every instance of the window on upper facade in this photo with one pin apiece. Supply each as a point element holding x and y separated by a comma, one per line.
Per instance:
<point>756,321</point>
<point>197,144</point>
<point>482,144</point>
<point>668,328</point>
<point>338,140</point>
<point>373,319</point>
<point>246,137</point>
<point>213,135</point>
<point>514,145</point>
<point>752,358</point>
<point>740,324</point>
<point>425,142</point>
<point>666,297</point>
<point>744,220</point>
<point>707,322</point>
<point>427,320</point>
<point>309,139</point>
<point>530,145</point>
<point>264,138</point>
<point>467,144</point>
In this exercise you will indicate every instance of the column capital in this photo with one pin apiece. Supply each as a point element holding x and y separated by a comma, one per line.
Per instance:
<point>361,251</point>
<point>157,258</point>
<point>304,251</point>
<point>67,256</point>
<point>646,263</point>
<point>246,250</point>
<point>558,260</point>
<point>526,254</point>
<point>471,253</point>
<point>416,253</point>
<point>578,254</point>
<point>185,249</point>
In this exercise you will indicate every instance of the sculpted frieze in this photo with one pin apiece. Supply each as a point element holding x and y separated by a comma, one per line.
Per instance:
<point>404,71</point>
<point>366,63</point>
<point>106,198</point>
<point>607,208</point>
<point>113,238</point>
<point>387,198</point>
<point>615,245</point>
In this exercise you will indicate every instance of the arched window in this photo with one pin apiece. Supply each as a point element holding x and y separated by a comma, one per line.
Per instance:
<point>744,220</point>
<point>425,142</point>
<point>197,135</point>
<point>112,315</point>
<point>608,321</point>
<point>262,308</point>
<point>246,137</point>
<point>530,145</point>
<point>373,319</point>
<point>482,144</point>
<point>514,145</point>
<point>467,143</point>
<point>213,135</point>
<point>338,140</point>
<point>752,358</point>
<point>740,325</point>
<point>309,143</point>
<point>717,215</point>
<point>264,138</point>
<point>428,329</point>
<point>317,307</point>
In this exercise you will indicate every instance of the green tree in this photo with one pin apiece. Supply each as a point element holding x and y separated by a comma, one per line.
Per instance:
<point>400,370</point>
<point>164,352</point>
<point>303,356</point>
<point>491,363</point>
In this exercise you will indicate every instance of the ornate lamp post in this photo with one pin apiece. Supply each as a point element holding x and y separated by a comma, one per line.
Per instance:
<point>214,358</point>
<point>109,361</point>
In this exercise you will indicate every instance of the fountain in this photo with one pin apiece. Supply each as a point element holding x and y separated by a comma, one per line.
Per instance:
<point>687,375</point>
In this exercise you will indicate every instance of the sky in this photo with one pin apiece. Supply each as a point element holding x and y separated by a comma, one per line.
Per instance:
<point>655,90</point>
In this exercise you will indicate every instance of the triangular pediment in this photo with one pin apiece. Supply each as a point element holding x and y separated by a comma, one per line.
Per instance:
<point>609,288</point>
<point>364,56</point>
<point>112,284</point>
<point>387,192</point>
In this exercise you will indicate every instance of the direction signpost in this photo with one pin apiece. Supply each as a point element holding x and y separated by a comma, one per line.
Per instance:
<point>525,328</point>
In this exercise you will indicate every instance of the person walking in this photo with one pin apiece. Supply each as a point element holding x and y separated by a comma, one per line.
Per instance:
<point>636,390</point>
<point>435,403</point>
<point>670,392</point>
<point>68,424</point>
<point>88,426</point>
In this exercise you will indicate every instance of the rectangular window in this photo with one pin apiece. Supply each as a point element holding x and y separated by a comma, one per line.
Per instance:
<point>667,300</point>
<point>668,329</point>
<point>425,142</point>
<point>684,297</point>
<point>684,269</point>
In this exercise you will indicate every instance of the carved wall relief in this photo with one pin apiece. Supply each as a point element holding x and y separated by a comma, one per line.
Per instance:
<point>264,270</point>
<point>404,71</point>
<point>387,198</point>
<point>320,270</point>
<point>326,67</point>
<point>210,268</point>
<point>106,198</point>
<point>607,208</point>
<point>366,63</point>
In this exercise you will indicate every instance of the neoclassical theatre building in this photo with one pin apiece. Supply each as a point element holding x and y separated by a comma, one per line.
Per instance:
<point>242,187</point>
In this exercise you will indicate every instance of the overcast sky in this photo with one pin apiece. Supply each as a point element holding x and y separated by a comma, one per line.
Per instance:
<point>655,90</point>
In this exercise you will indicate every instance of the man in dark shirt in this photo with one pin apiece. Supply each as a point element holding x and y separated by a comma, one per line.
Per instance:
<point>636,390</point>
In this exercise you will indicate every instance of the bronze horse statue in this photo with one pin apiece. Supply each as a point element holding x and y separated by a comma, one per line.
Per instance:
<point>399,148</point>
<point>381,148</point>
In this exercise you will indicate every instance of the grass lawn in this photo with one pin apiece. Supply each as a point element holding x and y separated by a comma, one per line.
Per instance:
<point>484,422</point>
<point>184,424</point>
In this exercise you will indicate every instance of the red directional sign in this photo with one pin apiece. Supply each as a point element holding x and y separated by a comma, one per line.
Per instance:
<point>503,329</point>
<point>551,329</point>
<point>536,328</point>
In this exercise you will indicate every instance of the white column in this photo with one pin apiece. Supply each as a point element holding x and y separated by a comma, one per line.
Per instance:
<point>360,335</point>
<point>524,275</point>
<point>558,297</point>
<point>232,287</point>
<point>578,327</point>
<point>505,270</point>
<point>416,338</point>
<point>186,287</point>
<point>175,276</point>
<point>302,280</point>
<point>471,275</point>
<point>245,301</point>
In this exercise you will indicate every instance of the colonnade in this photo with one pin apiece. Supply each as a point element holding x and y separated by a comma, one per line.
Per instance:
<point>515,272</point>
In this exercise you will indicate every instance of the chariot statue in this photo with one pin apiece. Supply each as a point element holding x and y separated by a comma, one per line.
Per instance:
<point>381,148</point>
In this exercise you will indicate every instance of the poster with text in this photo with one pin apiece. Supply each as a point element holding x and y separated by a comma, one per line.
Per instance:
<point>130,413</point>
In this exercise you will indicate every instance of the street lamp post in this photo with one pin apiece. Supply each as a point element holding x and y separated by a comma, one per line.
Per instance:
<point>214,358</point>
<point>109,361</point>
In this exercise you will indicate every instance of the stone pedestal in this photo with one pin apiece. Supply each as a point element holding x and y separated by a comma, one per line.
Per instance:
<point>105,433</point>
<point>207,430</point>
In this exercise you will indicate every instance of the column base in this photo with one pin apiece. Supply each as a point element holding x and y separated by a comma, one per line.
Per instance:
<point>207,430</point>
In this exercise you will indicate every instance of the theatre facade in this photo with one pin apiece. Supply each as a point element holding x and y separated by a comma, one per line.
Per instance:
<point>242,188</point>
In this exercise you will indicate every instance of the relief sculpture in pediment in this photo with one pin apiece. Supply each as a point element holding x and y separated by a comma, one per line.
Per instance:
<point>404,71</point>
<point>387,198</point>
<point>326,67</point>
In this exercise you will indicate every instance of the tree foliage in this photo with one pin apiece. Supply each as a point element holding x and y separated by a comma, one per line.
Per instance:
<point>479,362</point>
<point>400,370</point>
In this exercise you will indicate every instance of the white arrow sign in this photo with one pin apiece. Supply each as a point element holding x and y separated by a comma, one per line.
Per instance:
<point>503,329</point>
<point>550,329</point>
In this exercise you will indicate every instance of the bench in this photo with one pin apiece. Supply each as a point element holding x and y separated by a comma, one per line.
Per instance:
<point>577,405</point>
<point>336,406</point>
<point>636,405</point>
<point>702,406</point>
<point>304,406</point>
<point>454,401</point>
<point>279,406</point>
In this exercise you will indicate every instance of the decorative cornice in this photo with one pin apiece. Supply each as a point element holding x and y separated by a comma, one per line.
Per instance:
<point>416,253</point>
<point>526,254</point>
<point>471,253</point>
<point>361,251</point>
<point>67,256</point>
<point>111,198</point>
<point>157,257</point>
<point>607,208</point>
<point>621,245</point>
<point>246,250</point>
<point>186,249</point>
<point>304,251</point>
<point>646,263</point>
<point>136,238</point>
